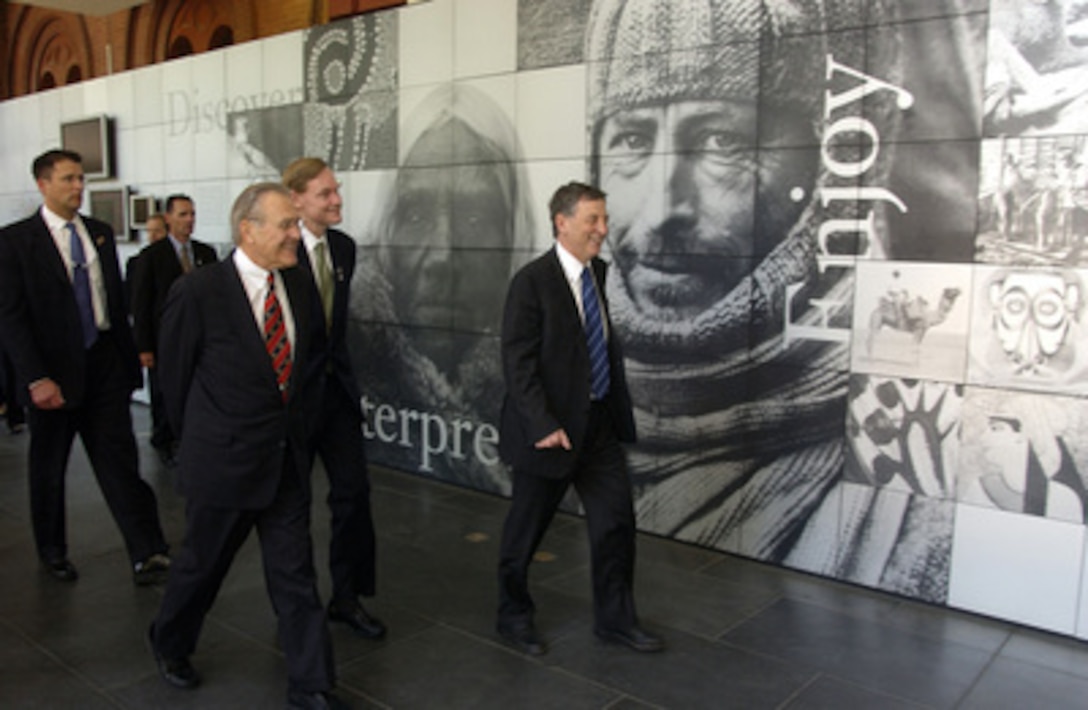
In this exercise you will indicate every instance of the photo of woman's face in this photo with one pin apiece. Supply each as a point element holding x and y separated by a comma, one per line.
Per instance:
<point>452,229</point>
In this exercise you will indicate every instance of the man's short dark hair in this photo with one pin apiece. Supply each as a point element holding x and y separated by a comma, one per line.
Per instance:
<point>43,164</point>
<point>566,199</point>
<point>176,198</point>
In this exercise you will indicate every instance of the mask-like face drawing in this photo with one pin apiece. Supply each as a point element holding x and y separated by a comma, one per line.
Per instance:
<point>1032,317</point>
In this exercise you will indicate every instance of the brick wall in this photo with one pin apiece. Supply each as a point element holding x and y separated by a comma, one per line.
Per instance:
<point>127,39</point>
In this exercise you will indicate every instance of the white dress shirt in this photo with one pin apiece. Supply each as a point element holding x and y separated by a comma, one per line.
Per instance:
<point>572,269</point>
<point>255,281</point>
<point>310,240</point>
<point>58,229</point>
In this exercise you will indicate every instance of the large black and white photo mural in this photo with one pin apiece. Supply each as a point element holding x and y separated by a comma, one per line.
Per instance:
<point>848,246</point>
<point>848,249</point>
<point>752,153</point>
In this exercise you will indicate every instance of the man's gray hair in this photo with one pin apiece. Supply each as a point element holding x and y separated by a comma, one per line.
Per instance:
<point>248,206</point>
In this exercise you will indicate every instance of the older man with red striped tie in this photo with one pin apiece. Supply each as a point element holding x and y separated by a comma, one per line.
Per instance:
<point>235,338</point>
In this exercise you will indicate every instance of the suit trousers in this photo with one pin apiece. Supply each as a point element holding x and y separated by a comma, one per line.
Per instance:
<point>212,539</point>
<point>601,480</point>
<point>340,444</point>
<point>103,421</point>
<point>16,415</point>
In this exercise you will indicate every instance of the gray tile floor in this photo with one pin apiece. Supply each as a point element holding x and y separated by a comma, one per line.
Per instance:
<point>740,634</point>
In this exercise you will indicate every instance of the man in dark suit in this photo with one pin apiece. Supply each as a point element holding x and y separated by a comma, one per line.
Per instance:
<point>565,413</point>
<point>235,342</point>
<point>161,263</point>
<point>63,323</point>
<point>328,256</point>
<point>156,231</point>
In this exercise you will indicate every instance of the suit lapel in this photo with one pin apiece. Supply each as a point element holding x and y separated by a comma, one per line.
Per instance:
<point>561,292</point>
<point>298,284</point>
<point>339,256</point>
<point>170,261</point>
<point>101,244</point>
<point>304,256</point>
<point>46,252</point>
<point>600,272</point>
<point>198,254</point>
<point>305,267</point>
<point>241,320</point>
<point>108,266</point>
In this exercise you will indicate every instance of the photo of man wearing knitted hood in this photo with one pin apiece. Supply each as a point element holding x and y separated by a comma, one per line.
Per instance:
<point>454,221</point>
<point>746,150</point>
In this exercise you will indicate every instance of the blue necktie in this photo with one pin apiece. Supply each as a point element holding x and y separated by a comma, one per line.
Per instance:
<point>81,283</point>
<point>595,340</point>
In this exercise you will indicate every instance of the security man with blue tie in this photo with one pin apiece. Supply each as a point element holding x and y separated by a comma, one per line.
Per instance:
<point>63,321</point>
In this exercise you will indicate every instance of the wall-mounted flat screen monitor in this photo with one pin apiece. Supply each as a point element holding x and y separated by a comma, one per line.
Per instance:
<point>140,208</point>
<point>110,205</point>
<point>92,138</point>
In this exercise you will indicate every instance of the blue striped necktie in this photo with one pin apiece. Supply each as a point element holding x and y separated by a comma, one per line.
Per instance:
<point>81,284</point>
<point>595,338</point>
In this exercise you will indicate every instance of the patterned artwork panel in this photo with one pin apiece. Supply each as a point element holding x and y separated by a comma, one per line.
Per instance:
<point>882,538</point>
<point>1027,329</point>
<point>349,116</point>
<point>903,435</point>
<point>1025,453</point>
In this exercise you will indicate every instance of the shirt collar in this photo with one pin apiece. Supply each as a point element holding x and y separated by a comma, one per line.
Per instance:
<point>571,266</point>
<point>309,238</point>
<point>178,244</point>
<point>54,221</point>
<point>247,268</point>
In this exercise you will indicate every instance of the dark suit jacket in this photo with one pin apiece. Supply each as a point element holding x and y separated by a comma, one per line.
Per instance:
<point>221,393</point>
<point>39,318</point>
<point>156,271</point>
<point>331,354</point>
<point>546,369</point>
<point>131,266</point>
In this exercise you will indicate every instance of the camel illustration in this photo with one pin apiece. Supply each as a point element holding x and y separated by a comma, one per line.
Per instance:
<point>897,310</point>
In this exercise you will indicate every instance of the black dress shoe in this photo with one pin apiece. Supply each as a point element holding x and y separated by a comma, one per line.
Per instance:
<point>153,570</point>
<point>314,701</point>
<point>635,638</point>
<point>178,672</point>
<point>524,638</point>
<point>61,569</point>
<point>354,615</point>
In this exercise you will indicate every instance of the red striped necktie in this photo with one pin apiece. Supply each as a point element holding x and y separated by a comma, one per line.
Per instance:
<point>275,338</point>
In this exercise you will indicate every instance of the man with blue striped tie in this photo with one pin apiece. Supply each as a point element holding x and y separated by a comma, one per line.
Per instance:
<point>565,413</point>
<point>64,324</point>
